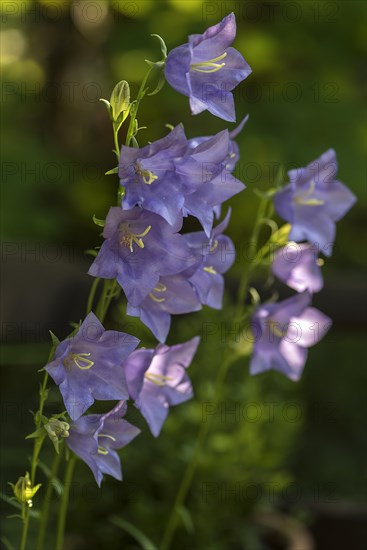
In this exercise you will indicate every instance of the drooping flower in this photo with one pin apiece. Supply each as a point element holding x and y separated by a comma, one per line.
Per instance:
<point>208,180</point>
<point>283,331</point>
<point>218,254</point>
<point>140,247</point>
<point>88,366</point>
<point>96,437</point>
<point>313,201</point>
<point>157,380</point>
<point>149,176</point>
<point>206,69</point>
<point>298,266</point>
<point>172,295</point>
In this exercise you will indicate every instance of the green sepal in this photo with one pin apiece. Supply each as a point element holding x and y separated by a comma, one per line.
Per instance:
<point>109,108</point>
<point>38,433</point>
<point>160,84</point>
<point>97,221</point>
<point>112,171</point>
<point>91,252</point>
<point>162,44</point>
<point>54,339</point>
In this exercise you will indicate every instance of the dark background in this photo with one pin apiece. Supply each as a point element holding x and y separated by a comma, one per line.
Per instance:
<point>305,94</point>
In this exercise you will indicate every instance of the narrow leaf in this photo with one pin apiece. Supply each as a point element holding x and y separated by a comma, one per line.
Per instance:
<point>143,540</point>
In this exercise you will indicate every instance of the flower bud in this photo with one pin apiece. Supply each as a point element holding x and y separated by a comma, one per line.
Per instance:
<point>23,490</point>
<point>57,430</point>
<point>120,99</point>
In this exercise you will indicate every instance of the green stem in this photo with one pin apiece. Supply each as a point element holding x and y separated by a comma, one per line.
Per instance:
<point>47,501</point>
<point>141,93</point>
<point>64,503</point>
<point>25,528</point>
<point>244,282</point>
<point>92,294</point>
<point>188,476</point>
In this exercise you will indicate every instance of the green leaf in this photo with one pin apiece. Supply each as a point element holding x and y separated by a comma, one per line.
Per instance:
<point>7,544</point>
<point>186,519</point>
<point>13,502</point>
<point>143,540</point>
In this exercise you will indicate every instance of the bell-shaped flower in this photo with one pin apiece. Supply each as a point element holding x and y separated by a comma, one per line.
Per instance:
<point>206,69</point>
<point>88,366</point>
<point>313,201</point>
<point>233,153</point>
<point>95,438</point>
<point>173,295</point>
<point>298,266</point>
<point>149,177</point>
<point>218,254</point>
<point>139,248</point>
<point>157,380</point>
<point>283,331</point>
<point>207,179</point>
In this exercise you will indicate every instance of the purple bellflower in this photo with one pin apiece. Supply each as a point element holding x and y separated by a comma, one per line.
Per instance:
<point>218,254</point>
<point>149,176</point>
<point>206,69</point>
<point>88,366</point>
<point>233,153</point>
<point>208,181</point>
<point>172,295</point>
<point>283,331</point>
<point>157,380</point>
<point>95,438</point>
<point>313,201</point>
<point>140,247</point>
<point>298,266</point>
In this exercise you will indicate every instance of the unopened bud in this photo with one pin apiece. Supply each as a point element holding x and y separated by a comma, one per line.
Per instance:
<point>23,490</point>
<point>120,99</point>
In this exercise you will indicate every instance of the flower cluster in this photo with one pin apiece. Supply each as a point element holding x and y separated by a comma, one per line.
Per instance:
<point>161,270</point>
<point>312,202</point>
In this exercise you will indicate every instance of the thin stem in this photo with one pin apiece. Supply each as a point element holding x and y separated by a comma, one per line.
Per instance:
<point>64,503</point>
<point>188,476</point>
<point>47,501</point>
<point>92,294</point>
<point>25,528</point>
<point>139,97</point>
<point>244,282</point>
<point>116,139</point>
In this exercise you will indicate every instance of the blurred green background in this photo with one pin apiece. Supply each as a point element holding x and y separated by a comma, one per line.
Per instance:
<point>305,95</point>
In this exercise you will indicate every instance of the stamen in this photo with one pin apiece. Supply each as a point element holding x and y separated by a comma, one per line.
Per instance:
<point>273,325</point>
<point>102,450</point>
<point>147,176</point>
<point>81,362</point>
<point>302,199</point>
<point>210,269</point>
<point>155,299</point>
<point>160,287</point>
<point>107,435</point>
<point>209,66</point>
<point>214,246</point>
<point>320,262</point>
<point>156,379</point>
<point>127,238</point>
<point>79,359</point>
